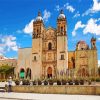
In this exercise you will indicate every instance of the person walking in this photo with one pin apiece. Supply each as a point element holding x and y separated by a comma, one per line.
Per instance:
<point>9,84</point>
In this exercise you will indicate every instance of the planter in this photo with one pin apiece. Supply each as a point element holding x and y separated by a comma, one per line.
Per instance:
<point>17,82</point>
<point>26,82</point>
<point>34,82</point>
<point>70,82</point>
<point>58,82</point>
<point>50,82</point>
<point>89,82</point>
<point>76,82</point>
<point>45,82</point>
<point>39,82</point>
<point>64,82</point>
<point>81,82</point>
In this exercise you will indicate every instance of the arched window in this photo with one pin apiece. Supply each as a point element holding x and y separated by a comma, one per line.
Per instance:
<point>61,29</point>
<point>22,73</point>
<point>50,46</point>
<point>28,73</point>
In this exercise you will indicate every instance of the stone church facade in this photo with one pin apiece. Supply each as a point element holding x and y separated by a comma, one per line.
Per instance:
<point>83,61</point>
<point>49,56</point>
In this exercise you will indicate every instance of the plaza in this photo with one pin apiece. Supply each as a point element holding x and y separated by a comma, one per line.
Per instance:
<point>34,96</point>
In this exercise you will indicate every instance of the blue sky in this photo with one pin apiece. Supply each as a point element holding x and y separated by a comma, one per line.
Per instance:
<point>16,16</point>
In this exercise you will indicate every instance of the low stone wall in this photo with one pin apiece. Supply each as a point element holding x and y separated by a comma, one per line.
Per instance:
<point>67,89</point>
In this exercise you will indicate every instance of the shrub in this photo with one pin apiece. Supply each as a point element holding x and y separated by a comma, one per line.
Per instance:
<point>89,82</point>
<point>51,82</point>
<point>39,82</point>
<point>92,79</point>
<point>17,82</point>
<point>97,79</point>
<point>34,82</point>
<point>26,82</point>
<point>3,80</point>
<point>64,82</point>
<point>76,82</point>
<point>58,82</point>
<point>81,82</point>
<point>70,82</point>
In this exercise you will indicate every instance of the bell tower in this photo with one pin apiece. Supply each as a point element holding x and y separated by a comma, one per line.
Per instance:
<point>93,43</point>
<point>62,52</point>
<point>61,24</point>
<point>94,57</point>
<point>38,27</point>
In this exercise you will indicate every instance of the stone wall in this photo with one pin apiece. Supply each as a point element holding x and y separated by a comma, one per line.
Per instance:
<point>82,90</point>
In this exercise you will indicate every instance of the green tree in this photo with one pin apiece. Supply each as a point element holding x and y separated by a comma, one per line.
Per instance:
<point>6,71</point>
<point>99,70</point>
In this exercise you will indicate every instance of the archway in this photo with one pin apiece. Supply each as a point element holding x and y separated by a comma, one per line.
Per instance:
<point>22,73</point>
<point>28,73</point>
<point>83,72</point>
<point>49,72</point>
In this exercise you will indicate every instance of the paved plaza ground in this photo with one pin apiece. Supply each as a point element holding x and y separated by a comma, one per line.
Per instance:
<point>34,96</point>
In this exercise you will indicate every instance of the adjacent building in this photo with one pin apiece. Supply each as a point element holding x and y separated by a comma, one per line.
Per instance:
<point>9,62</point>
<point>83,61</point>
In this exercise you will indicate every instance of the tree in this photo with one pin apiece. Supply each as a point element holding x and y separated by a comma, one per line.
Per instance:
<point>99,70</point>
<point>6,71</point>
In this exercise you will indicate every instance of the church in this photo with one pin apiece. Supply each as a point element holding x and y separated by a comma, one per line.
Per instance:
<point>49,56</point>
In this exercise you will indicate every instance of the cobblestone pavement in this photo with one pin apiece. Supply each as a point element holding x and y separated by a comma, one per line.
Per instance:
<point>33,96</point>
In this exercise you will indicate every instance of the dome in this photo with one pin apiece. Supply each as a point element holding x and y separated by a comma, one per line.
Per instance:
<point>61,16</point>
<point>39,18</point>
<point>81,45</point>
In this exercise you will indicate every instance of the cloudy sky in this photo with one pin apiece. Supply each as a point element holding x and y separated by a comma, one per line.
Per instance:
<point>16,17</point>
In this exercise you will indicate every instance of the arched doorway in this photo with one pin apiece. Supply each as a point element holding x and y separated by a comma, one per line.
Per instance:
<point>49,72</point>
<point>28,73</point>
<point>22,73</point>
<point>83,72</point>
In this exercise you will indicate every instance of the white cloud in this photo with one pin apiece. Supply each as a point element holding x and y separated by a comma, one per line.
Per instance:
<point>77,14</point>
<point>92,27</point>
<point>99,39</point>
<point>77,26</point>
<point>29,28</point>
<point>1,50</point>
<point>99,62</point>
<point>46,15</point>
<point>94,9</point>
<point>8,43</point>
<point>19,31</point>
<point>69,7</point>
<point>96,6</point>
<point>57,8</point>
